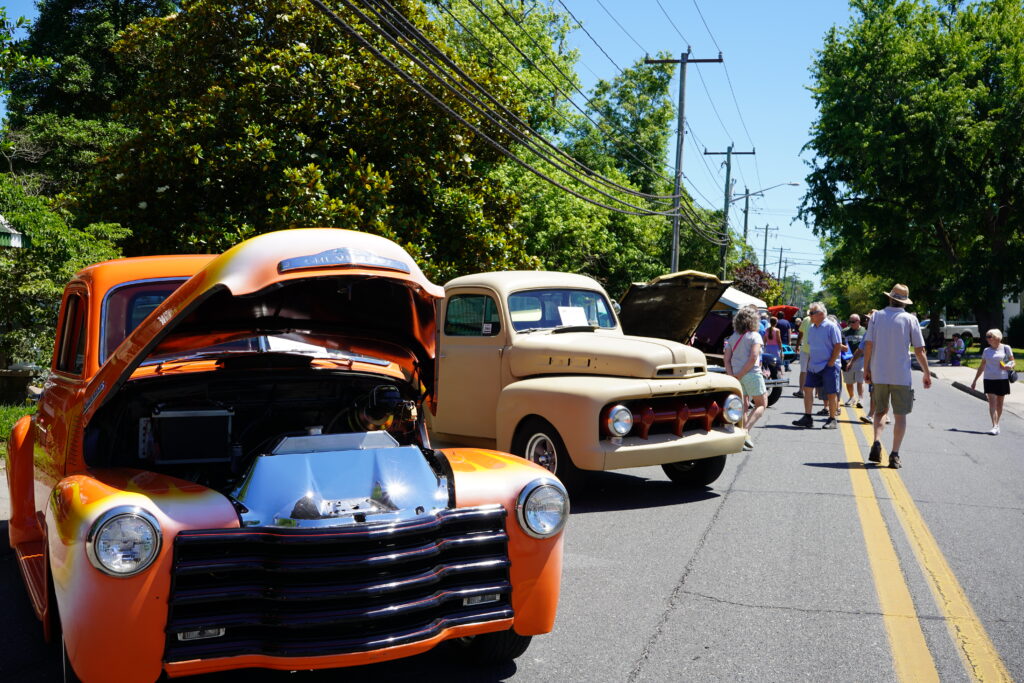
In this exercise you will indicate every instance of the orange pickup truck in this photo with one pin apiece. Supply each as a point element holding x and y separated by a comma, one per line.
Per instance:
<point>229,468</point>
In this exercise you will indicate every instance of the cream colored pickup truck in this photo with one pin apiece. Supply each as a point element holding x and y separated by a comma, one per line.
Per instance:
<point>536,364</point>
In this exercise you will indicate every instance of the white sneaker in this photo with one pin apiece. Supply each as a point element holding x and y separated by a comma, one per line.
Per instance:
<point>994,431</point>
<point>848,402</point>
<point>748,445</point>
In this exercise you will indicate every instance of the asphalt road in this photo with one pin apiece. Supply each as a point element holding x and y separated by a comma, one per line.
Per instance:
<point>799,563</point>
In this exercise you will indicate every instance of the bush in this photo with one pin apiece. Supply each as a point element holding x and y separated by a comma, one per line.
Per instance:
<point>11,413</point>
<point>1015,331</point>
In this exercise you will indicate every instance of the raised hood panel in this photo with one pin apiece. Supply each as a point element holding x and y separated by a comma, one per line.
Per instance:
<point>670,306</point>
<point>597,353</point>
<point>309,282</point>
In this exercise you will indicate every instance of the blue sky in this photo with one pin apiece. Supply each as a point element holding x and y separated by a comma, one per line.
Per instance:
<point>768,48</point>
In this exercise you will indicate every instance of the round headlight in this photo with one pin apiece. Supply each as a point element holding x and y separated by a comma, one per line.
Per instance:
<point>733,410</point>
<point>123,541</point>
<point>543,508</point>
<point>619,420</point>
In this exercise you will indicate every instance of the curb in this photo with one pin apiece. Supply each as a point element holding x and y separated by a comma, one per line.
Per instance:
<point>967,390</point>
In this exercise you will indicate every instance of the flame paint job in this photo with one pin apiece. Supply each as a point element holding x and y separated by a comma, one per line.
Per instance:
<point>113,627</point>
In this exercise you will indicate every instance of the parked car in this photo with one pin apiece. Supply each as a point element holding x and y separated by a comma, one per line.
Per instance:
<point>710,332</point>
<point>968,331</point>
<point>537,363</point>
<point>229,468</point>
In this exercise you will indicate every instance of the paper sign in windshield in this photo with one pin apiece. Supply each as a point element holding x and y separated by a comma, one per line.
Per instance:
<point>573,316</point>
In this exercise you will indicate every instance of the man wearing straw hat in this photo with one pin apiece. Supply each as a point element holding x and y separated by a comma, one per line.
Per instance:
<point>887,367</point>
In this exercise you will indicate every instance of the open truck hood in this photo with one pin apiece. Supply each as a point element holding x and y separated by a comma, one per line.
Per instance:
<point>670,306</point>
<point>358,292</point>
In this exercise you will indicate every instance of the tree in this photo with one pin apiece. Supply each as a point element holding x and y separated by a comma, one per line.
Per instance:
<point>260,116</point>
<point>62,92</point>
<point>917,175</point>
<point>756,282</point>
<point>32,279</point>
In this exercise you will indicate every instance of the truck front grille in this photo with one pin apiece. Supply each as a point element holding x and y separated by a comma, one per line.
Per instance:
<point>307,592</point>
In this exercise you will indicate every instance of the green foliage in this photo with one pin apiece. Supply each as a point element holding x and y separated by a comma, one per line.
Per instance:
<point>75,73</point>
<point>11,413</point>
<point>283,121</point>
<point>756,282</point>
<point>917,174</point>
<point>539,31</point>
<point>852,291</point>
<point>32,280</point>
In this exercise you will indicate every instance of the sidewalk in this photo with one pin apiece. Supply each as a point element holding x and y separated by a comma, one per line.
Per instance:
<point>961,377</point>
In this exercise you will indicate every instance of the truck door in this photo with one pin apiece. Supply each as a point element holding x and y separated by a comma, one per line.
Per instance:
<point>469,372</point>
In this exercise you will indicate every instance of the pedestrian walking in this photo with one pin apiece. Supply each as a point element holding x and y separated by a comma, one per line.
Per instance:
<point>786,332</point>
<point>887,368</point>
<point>853,373</point>
<point>996,364</point>
<point>773,339</point>
<point>825,343</point>
<point>743,361</point>
<point>805,352</point>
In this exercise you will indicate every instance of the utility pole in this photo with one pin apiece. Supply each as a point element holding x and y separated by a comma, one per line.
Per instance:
<point>779,269</point>
<point>764,254</point>
<point>683,60</point>
<point>728,200</point>
<point>746,213</point>
<point>785,272</point>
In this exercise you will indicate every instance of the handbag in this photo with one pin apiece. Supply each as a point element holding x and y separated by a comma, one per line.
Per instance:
<point>1011,374</point>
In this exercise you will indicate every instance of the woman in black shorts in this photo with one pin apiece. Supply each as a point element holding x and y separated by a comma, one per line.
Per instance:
<point>996,363</point>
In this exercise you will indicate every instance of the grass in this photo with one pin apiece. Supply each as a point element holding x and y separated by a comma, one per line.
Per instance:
<point>9,414</point>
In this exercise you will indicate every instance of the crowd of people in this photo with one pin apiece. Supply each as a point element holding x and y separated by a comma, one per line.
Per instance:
<point>871,350</point>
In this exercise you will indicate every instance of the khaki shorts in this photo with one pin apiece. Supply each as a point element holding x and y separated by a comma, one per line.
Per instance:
<point>900,395</point>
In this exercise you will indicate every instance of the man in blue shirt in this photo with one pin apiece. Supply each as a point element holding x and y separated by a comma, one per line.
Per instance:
<point>785,329</point>
<point>826,343</point>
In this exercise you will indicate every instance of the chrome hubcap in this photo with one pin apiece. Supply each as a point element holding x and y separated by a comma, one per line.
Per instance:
<point>540,450</point>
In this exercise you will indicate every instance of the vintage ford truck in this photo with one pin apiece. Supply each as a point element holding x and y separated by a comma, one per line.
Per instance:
<point>229,468</point>
<point>537,363</point>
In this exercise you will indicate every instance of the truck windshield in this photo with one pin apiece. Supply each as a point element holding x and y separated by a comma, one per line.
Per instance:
<point>541,309</point>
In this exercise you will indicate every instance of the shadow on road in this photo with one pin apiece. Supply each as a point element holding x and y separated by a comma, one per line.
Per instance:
<point>611,491</point>
<point>967,431</point>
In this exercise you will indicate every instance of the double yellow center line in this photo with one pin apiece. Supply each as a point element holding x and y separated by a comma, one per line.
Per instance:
<point>911,657</point>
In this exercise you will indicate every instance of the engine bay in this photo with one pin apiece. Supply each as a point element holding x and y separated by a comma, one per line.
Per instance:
<point>208,428</point>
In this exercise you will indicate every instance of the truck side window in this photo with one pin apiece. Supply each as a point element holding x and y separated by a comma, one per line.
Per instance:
<point>71,352</point>
<point>472,315</point>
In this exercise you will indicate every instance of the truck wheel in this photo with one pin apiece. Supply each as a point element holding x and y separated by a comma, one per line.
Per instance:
<point>494,648</point>
<point>695,474</point>
<point>776,392</point>
<point>968,339</point>
<point>537,441</point>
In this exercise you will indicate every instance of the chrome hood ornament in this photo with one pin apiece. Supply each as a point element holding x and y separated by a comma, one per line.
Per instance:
<point>330,480</point>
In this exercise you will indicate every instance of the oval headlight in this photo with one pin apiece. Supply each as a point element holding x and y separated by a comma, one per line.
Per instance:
<point>542,508</point>
<point>123,541</point>
<point>619,420</point>
<point>733,410</point>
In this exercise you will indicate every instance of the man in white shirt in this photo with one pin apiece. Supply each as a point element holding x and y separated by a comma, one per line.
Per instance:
<point>887,366</point>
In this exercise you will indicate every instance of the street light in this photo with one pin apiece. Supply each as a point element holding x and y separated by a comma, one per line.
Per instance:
<point>746,213</point>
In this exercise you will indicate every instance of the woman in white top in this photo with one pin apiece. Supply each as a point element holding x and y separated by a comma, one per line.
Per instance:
<point>996,363</point>
<point>743,361</point>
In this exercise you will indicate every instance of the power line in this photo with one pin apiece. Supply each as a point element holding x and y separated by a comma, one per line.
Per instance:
<point>419,87</point>
<point>671,22</point>
<point>502,121</point>
<point>568,79</point>
<point>621,27</point>
<point>584,29</point>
